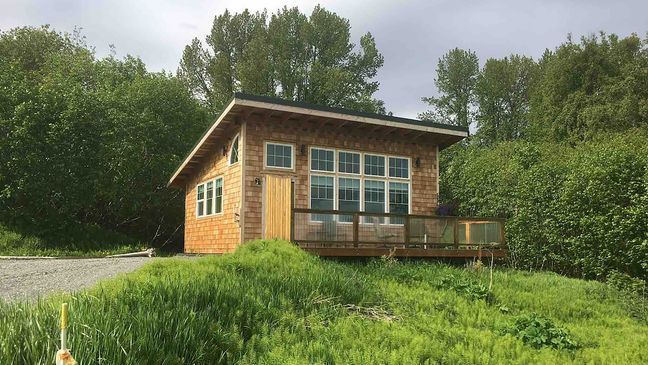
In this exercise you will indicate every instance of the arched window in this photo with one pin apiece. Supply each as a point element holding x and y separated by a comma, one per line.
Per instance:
<point>234,151</point>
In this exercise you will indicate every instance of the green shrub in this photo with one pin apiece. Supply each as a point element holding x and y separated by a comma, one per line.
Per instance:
<point>538,331</point>
<point>578,210</point>
<point>73,240</point>
<point>631,292</point>
<point>471,289</point>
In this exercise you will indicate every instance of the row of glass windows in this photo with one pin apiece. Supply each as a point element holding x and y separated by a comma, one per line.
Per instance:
<point>209,197</point>
<point>321,159</point>
<point>350,162</point>
<point>379,196</point>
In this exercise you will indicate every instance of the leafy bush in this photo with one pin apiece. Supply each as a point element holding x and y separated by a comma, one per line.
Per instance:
<point>76,240</point>
<point>578,210</point>
<point>471,289</point>
<point>538,331</point>
<point>89,141</point>
<point>631,292</point>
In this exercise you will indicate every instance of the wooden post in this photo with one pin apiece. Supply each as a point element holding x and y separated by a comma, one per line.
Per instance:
<point>292,211</point>
<point>407,231</point>
<point>356,221</point>
<point>456,233</point>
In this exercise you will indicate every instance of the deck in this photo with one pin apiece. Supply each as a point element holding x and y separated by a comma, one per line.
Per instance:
<point>345,234</point>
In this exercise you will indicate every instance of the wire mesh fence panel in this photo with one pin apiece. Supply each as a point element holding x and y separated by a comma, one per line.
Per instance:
<point>431,231</point>
<point>375,229</point>
<point>480,233</point>
<point>323,228</point>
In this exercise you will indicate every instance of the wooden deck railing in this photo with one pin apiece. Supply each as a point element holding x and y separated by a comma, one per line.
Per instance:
<point>333,228</point>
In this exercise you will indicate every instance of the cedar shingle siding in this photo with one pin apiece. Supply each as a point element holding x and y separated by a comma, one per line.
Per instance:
<point>261,119</point>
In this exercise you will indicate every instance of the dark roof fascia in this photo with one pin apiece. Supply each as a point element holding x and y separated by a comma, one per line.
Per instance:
<point>323,108</point>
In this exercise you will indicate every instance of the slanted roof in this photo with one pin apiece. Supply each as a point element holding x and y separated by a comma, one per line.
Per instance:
<point>242,106</point>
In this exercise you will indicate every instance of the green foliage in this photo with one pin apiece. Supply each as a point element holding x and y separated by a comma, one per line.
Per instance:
<point>271,303</point>
<point>631,292</point>
<point>89,141</point>
<point>291,55</point>
<point>472,289</point>
<point>457,75</point>
<point>575,210</point>
<point>82,240</point>
<point>572,93</point>
<point>502,93</point>
<point>599,84</point>
<point>538,331</point>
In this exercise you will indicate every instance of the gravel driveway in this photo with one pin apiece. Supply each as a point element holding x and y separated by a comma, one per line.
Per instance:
<point>28,279</point>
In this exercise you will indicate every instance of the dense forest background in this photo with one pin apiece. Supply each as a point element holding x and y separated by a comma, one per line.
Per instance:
<point>559,144</point>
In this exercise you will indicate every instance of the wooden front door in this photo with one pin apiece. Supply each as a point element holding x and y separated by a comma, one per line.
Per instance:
<point>276,207</point>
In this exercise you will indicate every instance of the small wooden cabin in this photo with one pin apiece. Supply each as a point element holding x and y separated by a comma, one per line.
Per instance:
<point>336,182</point>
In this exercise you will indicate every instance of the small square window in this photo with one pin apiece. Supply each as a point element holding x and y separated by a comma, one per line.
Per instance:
<point>322,160</point>
<point>279,155</point>
<point>399,167</point>
<point>374,165</point>
<point>349,162</point>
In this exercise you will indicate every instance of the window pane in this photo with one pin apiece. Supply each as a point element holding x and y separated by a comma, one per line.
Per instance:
<point>348,197</point>
<point>321,159</point>
<point>321,196</point>
<point>398,167</point>
<point>200,200</point>
<point>349,162</point>
<point>374,165</point>
<point>210,197</point>
<point>398,200</point>
<point>278,155</point>
<point>374,199</point>
<point>234,153</point>
<point>219,196</point>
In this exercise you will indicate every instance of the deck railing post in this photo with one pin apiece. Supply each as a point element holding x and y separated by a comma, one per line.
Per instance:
<point>407,231</point>
<point>456,233</point>
<point>292,224</point>
<point>356,221</point>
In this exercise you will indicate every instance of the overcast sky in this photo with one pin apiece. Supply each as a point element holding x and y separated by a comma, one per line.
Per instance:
<point>411,35</point>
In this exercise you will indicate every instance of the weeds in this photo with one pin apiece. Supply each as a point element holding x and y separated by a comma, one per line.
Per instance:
<point>271,303</point>
<point>538,331</point>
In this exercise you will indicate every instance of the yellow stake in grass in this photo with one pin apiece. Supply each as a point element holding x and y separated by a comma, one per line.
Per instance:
<point>63,356</point>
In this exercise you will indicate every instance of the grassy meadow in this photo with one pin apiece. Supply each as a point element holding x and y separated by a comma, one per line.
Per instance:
<point>271,303</point>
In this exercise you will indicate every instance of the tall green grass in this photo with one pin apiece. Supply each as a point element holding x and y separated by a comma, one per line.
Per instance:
<point>270,303</point>
<point>75,240</point>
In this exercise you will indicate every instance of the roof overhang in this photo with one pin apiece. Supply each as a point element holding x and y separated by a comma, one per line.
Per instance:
<point>244,106</point>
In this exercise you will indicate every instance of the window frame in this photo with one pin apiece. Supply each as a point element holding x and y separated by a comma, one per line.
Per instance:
<point>385,179</point>
<point>388,199</point>
<point>386,167</point>
<point>336,203</point>
<point>222,196</point>
<point>236,138</point>
<point>204,199</point>
<point>310,157</point>
<point>337,165</point>
<point>292,156</point>
<point>310,196</point>
<point>409,168</point>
